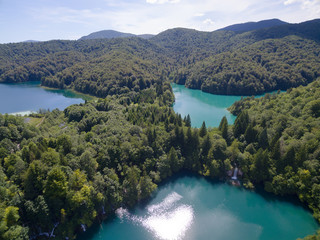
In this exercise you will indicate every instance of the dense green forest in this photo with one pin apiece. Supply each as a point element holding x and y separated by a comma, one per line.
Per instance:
<point>63,169</point>
<point>82,163</point>
<point>221,62</point>
<point>261,67</point>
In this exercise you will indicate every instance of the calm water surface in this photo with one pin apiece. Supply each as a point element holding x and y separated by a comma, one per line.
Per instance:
<point>25,97</point>
<point>192,208</point>
<point>202,106</point>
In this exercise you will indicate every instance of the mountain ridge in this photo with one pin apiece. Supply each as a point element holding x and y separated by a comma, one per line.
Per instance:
<point>109,34</point>
<point>250,26</point>
<point>242,27</point>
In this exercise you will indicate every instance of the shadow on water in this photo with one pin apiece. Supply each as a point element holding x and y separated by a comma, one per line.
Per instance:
<point>69,93</point>
<point>271,198</point>
<point>95,228</point>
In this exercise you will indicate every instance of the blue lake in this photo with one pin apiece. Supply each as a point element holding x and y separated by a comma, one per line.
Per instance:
<point>193,208</point>
<point>30,97</point>
<point>202,106</point>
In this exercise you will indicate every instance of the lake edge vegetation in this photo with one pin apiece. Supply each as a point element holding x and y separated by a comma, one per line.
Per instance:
<point>82,163</point>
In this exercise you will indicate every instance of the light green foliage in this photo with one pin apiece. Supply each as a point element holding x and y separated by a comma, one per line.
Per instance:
<point>111,152</point>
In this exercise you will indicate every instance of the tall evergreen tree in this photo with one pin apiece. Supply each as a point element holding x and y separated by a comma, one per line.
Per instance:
<point>263,139</point>
<point>203,130</point>
<point>250,134</point>
<point>241,124</point>
<point>187,121</point>
<point>223,127</point>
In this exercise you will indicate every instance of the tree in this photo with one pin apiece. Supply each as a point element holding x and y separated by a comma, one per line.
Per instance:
<point>218,150</point>
<point>175,163</point>
<point>88,164</point>
<point>37,213</point>
<point>263,139</point>
<point>82,205</point>
<point>55,189</point>
<point>241,124</point>
<point>223,127</point>
<point>205,147</point>
<point>35,179</point>
<point>164,167</point>
<point>187,121</point>
<point>203,130</point>
<point>130,185</point>
<point>51,157</point>
<point>250,134</point>
<point>146,187</point>
<point>64,142</point>
<point>192,149</point>
<point>315,108</point>
<point>11,216</point>
<point>261,166</point>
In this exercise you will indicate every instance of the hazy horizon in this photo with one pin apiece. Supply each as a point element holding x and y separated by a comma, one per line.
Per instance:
<point>44,20</point>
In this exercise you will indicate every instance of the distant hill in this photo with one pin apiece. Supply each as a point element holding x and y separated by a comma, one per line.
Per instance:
<point>182,42</point>
<point>309,29</point>
<point>145,36</point>
<point>220,62</point>
<point>250,26</point>
<point>109,34</point>
<point>31,41</point>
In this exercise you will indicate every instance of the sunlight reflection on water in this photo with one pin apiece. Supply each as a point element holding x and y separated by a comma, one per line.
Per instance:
<point>168,220</point>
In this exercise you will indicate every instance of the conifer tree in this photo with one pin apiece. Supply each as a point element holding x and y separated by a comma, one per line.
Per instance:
<point>223,127</point>
<point>203,130</point>
<point>241,124</point>
<point>187,121</point>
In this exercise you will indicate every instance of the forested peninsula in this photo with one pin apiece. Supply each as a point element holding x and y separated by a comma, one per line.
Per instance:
<point>63,170</point>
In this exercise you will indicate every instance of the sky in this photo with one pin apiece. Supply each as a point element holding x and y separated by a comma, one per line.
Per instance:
<point>44,20</point>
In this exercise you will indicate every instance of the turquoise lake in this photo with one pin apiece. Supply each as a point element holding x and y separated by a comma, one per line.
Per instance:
<point>30,97</point>
<point>186,207</point>
<point>193,208</point>
<point>202,106</point>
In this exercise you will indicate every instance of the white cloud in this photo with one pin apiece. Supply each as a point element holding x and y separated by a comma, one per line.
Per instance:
<point>288,2</point>
<point>308,8</point>
<point>199,14</point>
<point>302,2</point>
<point>208,21</point>
<point>162,1</point>
<point>72,18</point>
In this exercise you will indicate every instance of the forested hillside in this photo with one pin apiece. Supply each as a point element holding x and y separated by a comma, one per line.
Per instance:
<point>248,63</point>
<point>113,34</point>
<point>249,26</point>
<point>91,66</point>
<point>261,67</point>
<point>222,62</point>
